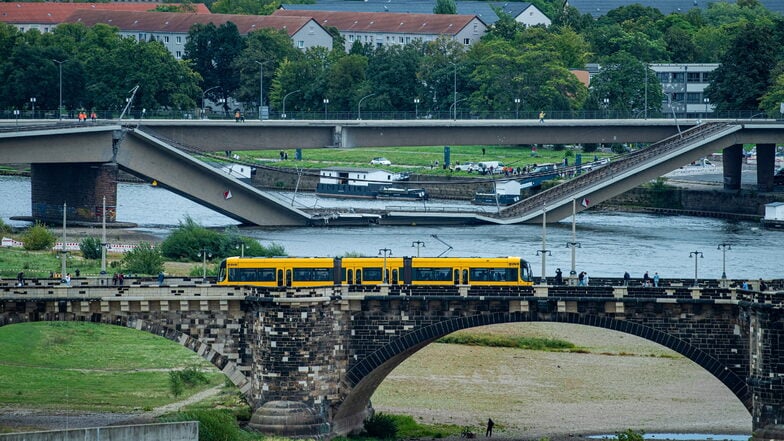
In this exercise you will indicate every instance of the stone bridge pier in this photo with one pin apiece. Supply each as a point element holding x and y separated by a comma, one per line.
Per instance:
<point>317,361</point>
<point>81,187</point>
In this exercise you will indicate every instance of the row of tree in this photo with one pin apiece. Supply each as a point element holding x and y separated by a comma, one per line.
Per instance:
<point>512,69</point>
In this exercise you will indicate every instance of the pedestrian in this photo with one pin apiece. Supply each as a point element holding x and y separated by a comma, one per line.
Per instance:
<point>745,286</point>
<point>115,279</point>
<point>656,280</point>
<point>586,279</point>
<point>237,116</point>
<point>646,279</point>
<point>93,116</point>
<point>120,279</point>
<point>762,286</point>
<point>489,431</point>
<point>483,151</point>
<point>160,278</point>
<point>626,278</point>
<point>541,116</point>
<point>68,279</point>
<point>20,278</point>
<point>558,277</point>
<point>77,272</point>
<point>581,278</point>
<point>51,274</point>
<point>281,155</point>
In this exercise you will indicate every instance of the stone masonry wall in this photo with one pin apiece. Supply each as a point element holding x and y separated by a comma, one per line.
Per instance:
<point>767,366</point>
<point>80,186</point>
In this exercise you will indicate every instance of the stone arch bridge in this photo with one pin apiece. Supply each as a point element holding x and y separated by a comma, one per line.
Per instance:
<point>309,360</point>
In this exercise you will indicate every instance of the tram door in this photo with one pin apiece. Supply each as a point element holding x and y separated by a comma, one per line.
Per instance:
<point>394,276</point>
<point>350,279</point>
<point>288,277</point>
<point>359,276</point>
<point>280,277</point>
<point>465,277</point>
<point>456,276</point>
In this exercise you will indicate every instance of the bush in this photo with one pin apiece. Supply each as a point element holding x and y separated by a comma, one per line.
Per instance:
<point>38,237</point>
<point>4,227</point>
<point>90,247</point>
<point>144,259</point>
<point>176,385</point>
<point>630,435</point>
<point>214,425</point>
<point>381,426</point>
<point>187,241</point>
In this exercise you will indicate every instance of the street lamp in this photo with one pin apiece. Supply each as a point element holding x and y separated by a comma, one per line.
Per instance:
<point>706,101</point>
<point>261,87</point>
<point>32,101</point>
<point>544,251</point>
<point>204,253</point>
<point>724,247</point>
<point>385,252</point>
<point>60,107</point>
<point>517,108</point>
<point>326,102</point>
<point>241,247</point>
<point>417,244</point>
<point>103,241</point>
<point>283,115</point>
<point>63,250</point>
<point>16,115</point>
<point>574,244</point>
<point>359,105</point>
<point>416,108</point>
<point>606,102</point>
<point>695,254</point>
<point>454,98</point>
<point>203,106</point>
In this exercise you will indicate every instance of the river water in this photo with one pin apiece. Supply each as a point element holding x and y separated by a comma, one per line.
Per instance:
<point>610,242</point>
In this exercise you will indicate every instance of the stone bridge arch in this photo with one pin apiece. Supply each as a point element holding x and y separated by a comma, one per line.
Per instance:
<point>205,350</point>
<point>364,377</point>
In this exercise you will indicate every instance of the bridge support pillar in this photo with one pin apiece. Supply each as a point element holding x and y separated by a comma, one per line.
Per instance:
<point>297,357</point>
<point>766,380</point>
<point>766,166</point>
<point>80,186</point>
<point>733,166</point>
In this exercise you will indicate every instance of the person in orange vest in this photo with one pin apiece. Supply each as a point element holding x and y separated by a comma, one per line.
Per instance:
<point>93,116</point>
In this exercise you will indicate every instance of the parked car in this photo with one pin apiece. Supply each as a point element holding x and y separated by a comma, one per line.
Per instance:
<point>467,167</point>
<point>380,161</point>
<point>778,178</point>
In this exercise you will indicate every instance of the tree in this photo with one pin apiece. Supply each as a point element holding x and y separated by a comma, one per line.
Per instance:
<point>622,82</point>
<point>743,76</point>
<point>391,74</point>
<point>90,248</point>
<point>213,52</point>
<point>38,237</point>
<point>144,259</point>
<point>445,7</point>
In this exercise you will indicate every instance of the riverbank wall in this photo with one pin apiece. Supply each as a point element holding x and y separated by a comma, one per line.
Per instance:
<point>677,197</point>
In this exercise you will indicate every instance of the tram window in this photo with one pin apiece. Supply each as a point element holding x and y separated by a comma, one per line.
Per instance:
<point>432,274</point>
<point>252,274</point>
<point>312,274</point>
<point>494,274</point>
<point>372,274</point>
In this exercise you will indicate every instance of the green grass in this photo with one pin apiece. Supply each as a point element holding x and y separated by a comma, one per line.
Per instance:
<point>406,158</point>
<point>502,341</point>
<point>90,366</point>
<point>40,263</point>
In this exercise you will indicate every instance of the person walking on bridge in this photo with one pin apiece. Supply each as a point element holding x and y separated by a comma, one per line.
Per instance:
<point>489,431</point>
<point>626,278</point>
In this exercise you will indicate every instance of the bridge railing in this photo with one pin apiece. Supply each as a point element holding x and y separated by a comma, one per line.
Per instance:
<point>634,159</point>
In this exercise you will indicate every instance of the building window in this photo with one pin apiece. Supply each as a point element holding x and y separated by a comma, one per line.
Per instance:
<point>476,28</point>
<point>351,37</point>
<point>408,40</point>
<point>300,44</point>
<point>401,40</point>
<point>178,40</point>
<point>178,54</point>
<point>677,77</point>
<point>694,97</point>
<point>694,77</point>
<point>166,39</point>
<point>466,41</point>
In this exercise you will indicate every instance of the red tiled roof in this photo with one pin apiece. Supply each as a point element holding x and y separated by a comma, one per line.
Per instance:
<point>55,13</point>
<point>436,24</point>
<point>181,22</point>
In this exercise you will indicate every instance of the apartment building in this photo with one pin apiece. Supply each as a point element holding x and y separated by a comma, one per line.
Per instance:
<point>385,29</point>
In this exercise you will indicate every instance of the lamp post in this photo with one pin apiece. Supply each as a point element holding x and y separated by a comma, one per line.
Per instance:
<point>241,247</point>
<point>385,252</point>
<point>645,71</point>
<point>359,105</point>
<point>103,241</point>
<point>203,98</point>
<point>283,115</point>
<point>417,244</point>
<point>60,106</point>
<point>32,101</point>
<point>706,100</point>
<point>724,247</point>
<point>261,87</point>
<point>544,251</point>
<point>326,102</point>
<point>574,244</point>
<point>606,102</point>
<point>695,254</point>
<point>204,253</point>
<point>63,250</point>
<point>16,116</point>
<point>517,108</point>
<point>454,85</point>
<point>416,108</point>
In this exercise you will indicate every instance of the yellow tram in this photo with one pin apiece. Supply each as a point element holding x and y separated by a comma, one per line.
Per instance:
<point>424,271</point>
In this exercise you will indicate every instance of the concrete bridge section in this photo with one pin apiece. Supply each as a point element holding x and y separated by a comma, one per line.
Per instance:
<point>154,151</point>
<point>309,360</point>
